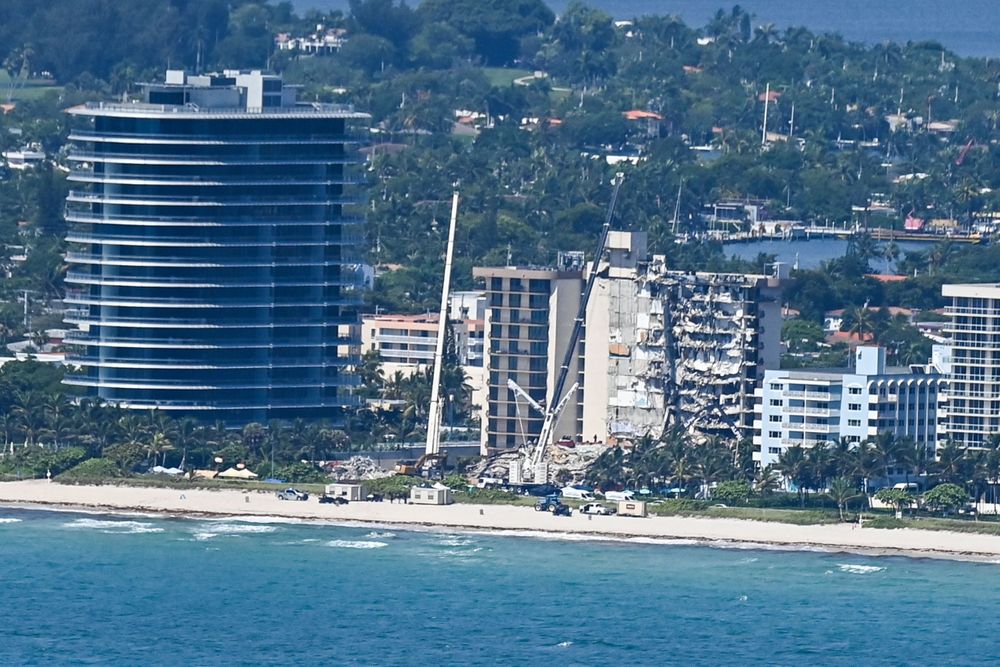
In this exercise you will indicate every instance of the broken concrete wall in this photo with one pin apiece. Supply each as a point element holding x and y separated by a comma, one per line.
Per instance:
<point>681,349</point>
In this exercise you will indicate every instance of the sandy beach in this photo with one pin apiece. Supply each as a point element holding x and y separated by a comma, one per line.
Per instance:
<point>239,503</point>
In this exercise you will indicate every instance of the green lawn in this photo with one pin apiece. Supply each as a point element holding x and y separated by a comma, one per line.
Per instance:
<point>32,88</point>
<point>501,77</point>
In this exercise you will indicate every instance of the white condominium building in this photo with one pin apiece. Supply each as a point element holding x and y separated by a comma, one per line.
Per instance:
<point>809,407</point>
<point>970,413</point>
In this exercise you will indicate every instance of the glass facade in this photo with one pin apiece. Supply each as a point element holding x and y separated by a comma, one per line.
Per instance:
<point>213,260</point>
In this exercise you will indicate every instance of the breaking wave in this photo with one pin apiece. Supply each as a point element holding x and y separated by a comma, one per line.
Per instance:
<point>356,544</point>
<point>113,527</point>
<point>6,519</point>
<point>859,569</point>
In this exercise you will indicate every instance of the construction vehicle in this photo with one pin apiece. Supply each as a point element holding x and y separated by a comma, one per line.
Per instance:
<point>553,505</point>
<point>532,467</point>
<point>429,465</point>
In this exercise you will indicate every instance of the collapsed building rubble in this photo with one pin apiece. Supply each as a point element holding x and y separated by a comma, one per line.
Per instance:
<point>573,460</point>
<point>356,468</point>
<point>673,348</point>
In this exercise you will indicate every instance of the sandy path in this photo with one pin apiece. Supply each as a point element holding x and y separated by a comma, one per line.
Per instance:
<point>940,544</point>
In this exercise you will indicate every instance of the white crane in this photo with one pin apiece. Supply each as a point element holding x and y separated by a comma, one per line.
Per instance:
<point>434,414</point>
<point>535,450</point>
<point>534,462</point>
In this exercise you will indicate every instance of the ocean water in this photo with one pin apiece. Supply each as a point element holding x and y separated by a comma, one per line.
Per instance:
<point>92,589</point>
<point>968,27</point>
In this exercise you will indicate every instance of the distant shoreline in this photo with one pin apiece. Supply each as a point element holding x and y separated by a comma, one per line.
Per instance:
<point>503,520</point>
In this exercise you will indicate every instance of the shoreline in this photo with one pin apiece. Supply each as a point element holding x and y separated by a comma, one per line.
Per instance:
<point>509,520</point>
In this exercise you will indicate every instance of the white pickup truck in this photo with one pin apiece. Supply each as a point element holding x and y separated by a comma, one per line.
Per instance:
<point>596,508</point>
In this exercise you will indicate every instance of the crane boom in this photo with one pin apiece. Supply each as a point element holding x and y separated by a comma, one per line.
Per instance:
<point>516,388</point>
<point>551,415</point>
<point>433,445</point>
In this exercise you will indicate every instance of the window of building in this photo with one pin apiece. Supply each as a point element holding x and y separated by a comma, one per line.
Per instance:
<point>774,418</point>
<point>776,386</point>
<point>854,422</point>
<point>777,402</point>
<point>774,434</point>
<point>774,450</point>
<point>854,391</point>
<point>853,406</point>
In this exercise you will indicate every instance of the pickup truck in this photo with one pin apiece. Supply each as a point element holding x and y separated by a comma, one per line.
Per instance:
<point>597,508</point>
<point>292,494</point>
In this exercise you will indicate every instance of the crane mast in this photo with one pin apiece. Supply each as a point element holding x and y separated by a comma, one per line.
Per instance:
<point>536,457</point>
<point>434,417</point>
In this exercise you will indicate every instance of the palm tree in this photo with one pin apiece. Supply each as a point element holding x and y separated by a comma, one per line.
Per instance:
<point>28,409</point>
<point>950,463</point>
<point>863,325</point>
<point>795,468</point>
<point>766,481</point>
<point>890,253</point>
<point>865,464</point>
<point>887,449</point>
<point>841,491</point>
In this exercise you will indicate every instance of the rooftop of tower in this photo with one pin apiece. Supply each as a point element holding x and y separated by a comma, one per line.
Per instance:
<point>229,94</point>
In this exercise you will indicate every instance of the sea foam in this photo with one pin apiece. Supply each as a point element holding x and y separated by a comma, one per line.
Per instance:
<point>356,544</point>
<point>114,527</point>
<point>859,569</point>
<point>8,519</point>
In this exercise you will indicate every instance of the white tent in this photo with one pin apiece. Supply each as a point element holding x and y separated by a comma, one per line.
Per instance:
<point>233,473</point>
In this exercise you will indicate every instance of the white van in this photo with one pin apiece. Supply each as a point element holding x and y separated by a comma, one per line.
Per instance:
<point>619,496</point>
<point>576,493</point>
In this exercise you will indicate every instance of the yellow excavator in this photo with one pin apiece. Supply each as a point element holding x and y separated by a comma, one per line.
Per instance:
<point>426,462</point>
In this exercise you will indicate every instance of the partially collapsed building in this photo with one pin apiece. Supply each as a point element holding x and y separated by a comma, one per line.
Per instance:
<point>673,348</point>
<point>664,348</point>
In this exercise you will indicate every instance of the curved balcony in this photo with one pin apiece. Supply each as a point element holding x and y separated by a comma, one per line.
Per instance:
<point>170,139</point>
<point>81,197</point>
<point>75,236</point>
<point>81,339</point>
<point>129,220</point>
<point>342,401</point>
<point>81,299</point>
<point>189,365</point>
<point>84,176</point>
<point>192,323</point>
<point>187,283</point>
<point>192,262</point>
<point>203,160</point>
<point>190,386</point>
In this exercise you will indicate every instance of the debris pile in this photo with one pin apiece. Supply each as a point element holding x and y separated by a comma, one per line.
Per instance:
<point>356,468</point>
<point>574,460</point>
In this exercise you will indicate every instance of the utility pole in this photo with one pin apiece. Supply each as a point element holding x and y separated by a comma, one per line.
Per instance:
<point>767,99</point>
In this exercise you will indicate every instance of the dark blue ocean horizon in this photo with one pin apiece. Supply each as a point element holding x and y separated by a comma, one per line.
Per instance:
<point>969,28</point>
<point>95,589</point>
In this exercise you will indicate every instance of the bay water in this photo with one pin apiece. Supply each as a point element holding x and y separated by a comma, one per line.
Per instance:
<point>969,27</point>
<point>130,590</point>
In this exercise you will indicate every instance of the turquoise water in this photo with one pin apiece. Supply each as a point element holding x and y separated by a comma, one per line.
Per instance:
<point>88,589</point>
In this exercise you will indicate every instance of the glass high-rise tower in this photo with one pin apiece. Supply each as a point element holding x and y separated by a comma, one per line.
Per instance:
<point>213,250</point>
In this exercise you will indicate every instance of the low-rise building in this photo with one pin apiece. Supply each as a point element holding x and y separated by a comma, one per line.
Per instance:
<point>406,343</point>
<point>810,407</point>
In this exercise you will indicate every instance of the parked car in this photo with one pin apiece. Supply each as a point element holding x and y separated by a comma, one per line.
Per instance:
<point>597,508</point>
<point>375,497</point>
<point>332,500</point>
<point>292,494</point>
